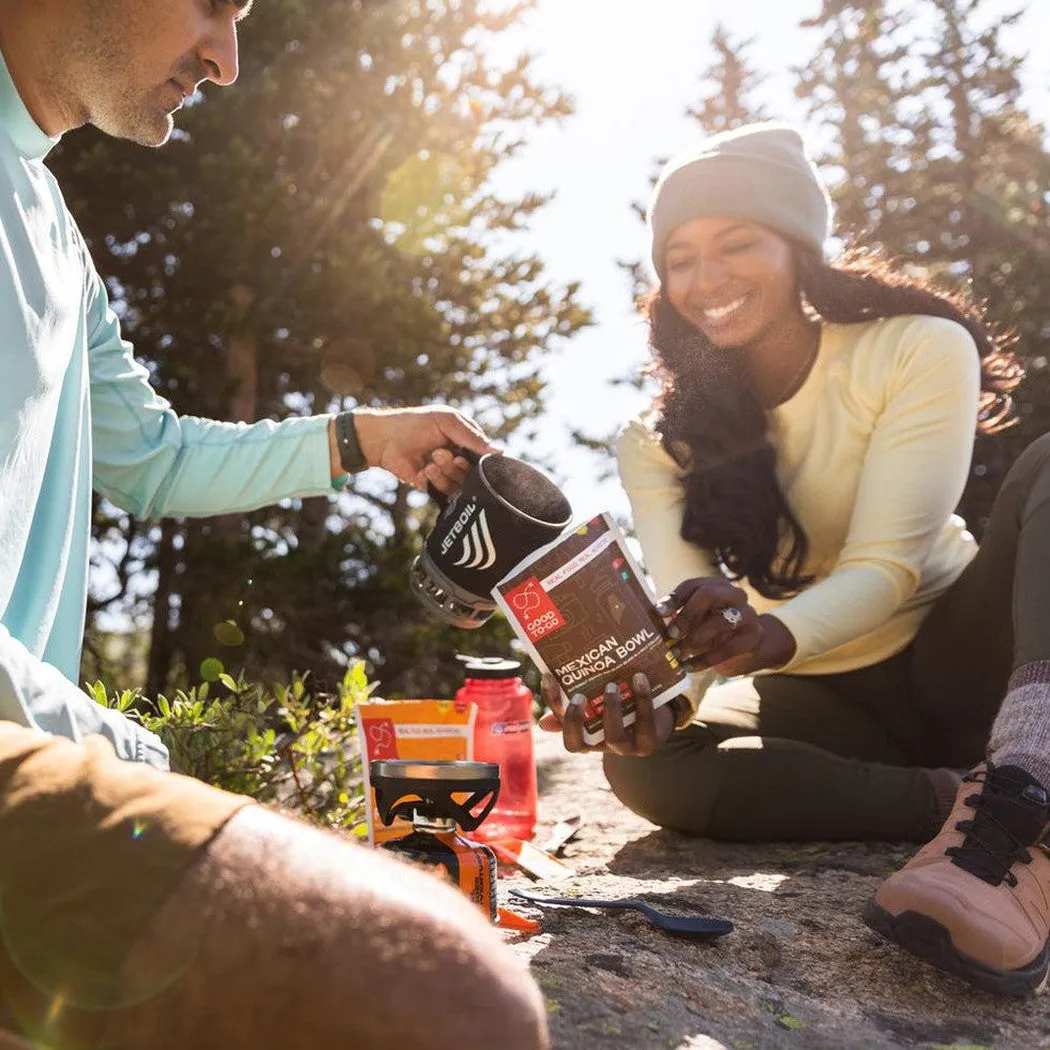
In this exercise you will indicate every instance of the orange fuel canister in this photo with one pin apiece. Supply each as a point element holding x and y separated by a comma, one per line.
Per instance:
<point>442,799</point>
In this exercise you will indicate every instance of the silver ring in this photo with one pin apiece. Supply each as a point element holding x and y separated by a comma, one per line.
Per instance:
<point>732,616</point>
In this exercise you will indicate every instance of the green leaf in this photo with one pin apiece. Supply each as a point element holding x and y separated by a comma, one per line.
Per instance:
<point>97,692</point>
<point>228,633</point>
<point>211,669</point>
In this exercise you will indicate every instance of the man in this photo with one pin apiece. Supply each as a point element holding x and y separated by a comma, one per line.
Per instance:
<point>138,908</point>
<point>77,410</point>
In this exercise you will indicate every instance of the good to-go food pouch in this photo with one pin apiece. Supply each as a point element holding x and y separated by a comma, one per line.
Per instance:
<point>582,610</point>
<point>428,730</point>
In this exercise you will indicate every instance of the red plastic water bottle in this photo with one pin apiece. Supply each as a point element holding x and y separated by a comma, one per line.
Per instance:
<point>503,734</point>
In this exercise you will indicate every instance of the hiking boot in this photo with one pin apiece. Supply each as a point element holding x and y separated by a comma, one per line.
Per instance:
<point>975,901</point>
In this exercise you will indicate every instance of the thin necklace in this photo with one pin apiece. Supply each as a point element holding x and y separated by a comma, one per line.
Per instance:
<point>789,388</point>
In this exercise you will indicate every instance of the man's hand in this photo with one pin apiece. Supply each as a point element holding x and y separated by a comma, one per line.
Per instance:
<point>416,444</point>
<point>716,627</point>
<point>649,730</point>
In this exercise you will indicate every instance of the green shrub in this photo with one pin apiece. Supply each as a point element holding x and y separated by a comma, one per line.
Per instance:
<point>284,745</point>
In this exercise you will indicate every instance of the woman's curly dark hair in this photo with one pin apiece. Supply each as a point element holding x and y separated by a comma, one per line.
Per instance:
<point>713,424</point>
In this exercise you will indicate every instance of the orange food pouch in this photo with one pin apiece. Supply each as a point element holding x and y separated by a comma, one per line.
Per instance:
<point>428,730</point>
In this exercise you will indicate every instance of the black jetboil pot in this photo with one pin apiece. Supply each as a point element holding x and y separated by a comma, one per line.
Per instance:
<point>505,511</point>
<point>426,793</point>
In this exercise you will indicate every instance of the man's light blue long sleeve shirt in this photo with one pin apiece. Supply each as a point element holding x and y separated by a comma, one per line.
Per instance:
<point>77,412</point>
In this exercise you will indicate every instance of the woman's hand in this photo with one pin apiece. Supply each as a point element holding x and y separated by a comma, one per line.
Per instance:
<point>715,626</point>
<point>649,730</point>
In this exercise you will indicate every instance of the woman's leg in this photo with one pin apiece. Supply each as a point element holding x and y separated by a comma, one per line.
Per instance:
<point>976,900</point>
<point>988,637</point>
<point>780,757</point>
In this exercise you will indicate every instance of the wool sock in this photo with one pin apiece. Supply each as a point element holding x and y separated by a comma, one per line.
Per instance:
<point>1021,731</point>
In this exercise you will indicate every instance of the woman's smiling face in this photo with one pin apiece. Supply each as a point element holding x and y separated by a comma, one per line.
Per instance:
<point>731,279</point>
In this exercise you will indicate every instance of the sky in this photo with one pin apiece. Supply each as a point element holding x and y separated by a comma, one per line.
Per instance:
<point>633,67</point>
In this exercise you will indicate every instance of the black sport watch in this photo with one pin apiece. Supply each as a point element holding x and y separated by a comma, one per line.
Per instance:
<point>351,458</point>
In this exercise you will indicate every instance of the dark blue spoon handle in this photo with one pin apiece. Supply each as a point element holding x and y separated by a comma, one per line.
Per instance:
<point>580,902</point>
<point>694,926</point>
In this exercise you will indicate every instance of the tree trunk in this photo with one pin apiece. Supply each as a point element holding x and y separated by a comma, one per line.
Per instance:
<point>160,644</point>
<point>242,370</point>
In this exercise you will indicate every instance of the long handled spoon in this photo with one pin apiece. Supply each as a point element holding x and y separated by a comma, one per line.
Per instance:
<point>695,927</point>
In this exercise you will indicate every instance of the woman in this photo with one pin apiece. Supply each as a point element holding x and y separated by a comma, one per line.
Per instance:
<point>793,494</point>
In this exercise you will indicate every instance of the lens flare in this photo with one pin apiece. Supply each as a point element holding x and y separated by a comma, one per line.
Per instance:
<point>422,200</point>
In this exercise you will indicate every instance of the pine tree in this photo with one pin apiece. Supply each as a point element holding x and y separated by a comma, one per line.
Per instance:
<point>323,235</point>
<point>988,202</point>
<point>942,168</point>
<point>855,92</point>
<point>728,86</point>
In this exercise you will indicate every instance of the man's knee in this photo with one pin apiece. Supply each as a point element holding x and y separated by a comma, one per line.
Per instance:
<point>90,848</point>
<point>312,941</point>
<point>267,933</point>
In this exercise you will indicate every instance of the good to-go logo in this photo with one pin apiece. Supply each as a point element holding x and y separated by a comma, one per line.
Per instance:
<point>534,609</point>
<point>479,552</point>
<point>381,738</point>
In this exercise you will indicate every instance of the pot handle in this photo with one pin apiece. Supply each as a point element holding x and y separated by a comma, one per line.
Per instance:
<point>437,495</point>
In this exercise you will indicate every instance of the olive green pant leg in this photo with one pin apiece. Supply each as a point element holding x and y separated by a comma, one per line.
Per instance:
<point>992,620</point>
<point>790,757</point>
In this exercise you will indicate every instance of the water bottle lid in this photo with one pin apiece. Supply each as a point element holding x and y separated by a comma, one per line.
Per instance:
<point>493,667</point>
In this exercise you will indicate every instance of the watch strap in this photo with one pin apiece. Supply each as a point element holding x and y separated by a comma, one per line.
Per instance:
<point>351,458</point>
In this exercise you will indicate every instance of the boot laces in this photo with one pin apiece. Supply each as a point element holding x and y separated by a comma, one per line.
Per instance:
<point>991,848</point>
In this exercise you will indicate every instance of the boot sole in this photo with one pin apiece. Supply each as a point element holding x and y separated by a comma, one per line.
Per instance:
<point>930,941</point>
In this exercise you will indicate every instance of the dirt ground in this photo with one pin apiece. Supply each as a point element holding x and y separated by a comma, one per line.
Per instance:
<point>800,969</point>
